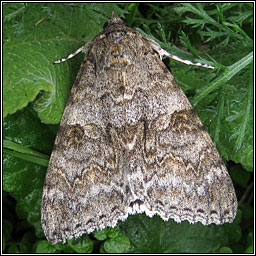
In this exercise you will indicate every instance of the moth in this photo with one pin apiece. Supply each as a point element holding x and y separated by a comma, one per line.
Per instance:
<point>130,142</point>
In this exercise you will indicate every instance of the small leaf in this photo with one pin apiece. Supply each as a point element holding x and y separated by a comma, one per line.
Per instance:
<point>113,232</point>
<point>118,244</point>
<point>101,234</point>
<point>44,246</point>
<point>81,245</point>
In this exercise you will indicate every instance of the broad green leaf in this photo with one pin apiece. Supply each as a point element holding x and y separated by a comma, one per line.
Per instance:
<point>153,235</point>
<point>45,36</point>
<point>22,178</point>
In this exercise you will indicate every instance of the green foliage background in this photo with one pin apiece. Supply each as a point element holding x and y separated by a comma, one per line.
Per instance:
<point>35,92</point>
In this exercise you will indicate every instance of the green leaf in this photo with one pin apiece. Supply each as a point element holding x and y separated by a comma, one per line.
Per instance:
<point>227,75</point>
<point>233,232</point>
<point>81,245</point>
<point>117,244</point>
<point>29,53</point>
<point>153,235</point>
<point>101,234</point>
<point>25,153</point>
<point>44,246</point>
<point>113,232</point>
<point>229,119</point>
<point>206,20</point>
<point>36,160</point>
<point>23,179</point>
<point>17,147</point>
<point>64,248</point>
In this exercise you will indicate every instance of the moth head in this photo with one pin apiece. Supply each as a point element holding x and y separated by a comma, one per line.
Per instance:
<point>113,20</point>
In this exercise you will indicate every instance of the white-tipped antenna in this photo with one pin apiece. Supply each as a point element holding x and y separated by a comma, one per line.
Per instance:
<point>163,52</point>
<point>81,49</point>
